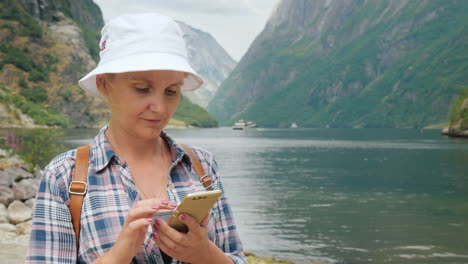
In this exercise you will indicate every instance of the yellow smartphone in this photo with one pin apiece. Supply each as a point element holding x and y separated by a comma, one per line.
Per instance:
<point>197,205</point>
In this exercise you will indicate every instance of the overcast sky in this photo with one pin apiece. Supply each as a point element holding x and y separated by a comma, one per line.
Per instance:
<point>233,23</point>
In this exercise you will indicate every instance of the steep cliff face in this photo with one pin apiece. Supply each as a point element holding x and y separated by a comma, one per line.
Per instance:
<point>84,14</point>
<point>43,54</point>
<point>350,63</point>
<point>209,59</point>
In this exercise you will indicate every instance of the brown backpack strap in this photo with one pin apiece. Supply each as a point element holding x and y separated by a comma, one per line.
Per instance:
<point>197,166</point>
<point>78,188</point>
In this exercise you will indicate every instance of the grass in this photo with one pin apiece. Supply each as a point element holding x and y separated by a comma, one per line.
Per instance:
<point>438,125</point>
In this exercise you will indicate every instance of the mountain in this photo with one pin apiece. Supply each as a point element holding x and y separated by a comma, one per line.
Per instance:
<point>45,47</point>
<point>353,63</point>
<point>209,60</point>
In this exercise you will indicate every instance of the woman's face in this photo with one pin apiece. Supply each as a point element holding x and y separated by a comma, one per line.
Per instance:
<point>141,103</point>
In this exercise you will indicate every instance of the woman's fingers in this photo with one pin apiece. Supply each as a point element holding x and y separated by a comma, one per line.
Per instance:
<point>204,222</point>
<point>182,246</point>
<point>190,222</point>
<point>140,212</point>
<point>162,245</point>
<point>139,224</point>
<point>148,208</point>
<point>168,234</point>
<point>136,224</point>
<point>156,204</point>
<point>166,243</point>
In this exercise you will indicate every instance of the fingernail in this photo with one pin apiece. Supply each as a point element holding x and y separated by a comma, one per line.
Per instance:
<point>157,222</point>
<point>165,202</point>
<point>182,217</point>
<point>172,204</point>
<point>149,219</point>
<point>155,207</point>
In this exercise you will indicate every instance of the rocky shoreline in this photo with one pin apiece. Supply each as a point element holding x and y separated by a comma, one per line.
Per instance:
<point>455,131</point>
<point>458,126</point>
<point>18,188</point>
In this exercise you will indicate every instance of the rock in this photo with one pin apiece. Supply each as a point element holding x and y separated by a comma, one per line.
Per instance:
<point>6,179</point>
<point>24,167</point>
<point>30,203</point>
<point>9,163</point>
<point>24,228</point>
<point>6,195</point>
<point>3,214</point>
<point>7,228</point>
<point>19,173</point>
<point>37,172</point>
<point>18,212</point>
<point>13,248</point>
<point>457,131</point>
<point>25,189</point>
<point>445,131</point>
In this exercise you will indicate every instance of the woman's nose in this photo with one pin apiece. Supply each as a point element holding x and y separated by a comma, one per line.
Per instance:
<point>157,104</point>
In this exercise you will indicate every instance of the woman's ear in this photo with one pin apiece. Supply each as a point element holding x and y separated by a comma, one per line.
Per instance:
<point>102,85</point>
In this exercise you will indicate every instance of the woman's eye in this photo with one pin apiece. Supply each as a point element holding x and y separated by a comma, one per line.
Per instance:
<point>142,90</point>
<point>171,92</point>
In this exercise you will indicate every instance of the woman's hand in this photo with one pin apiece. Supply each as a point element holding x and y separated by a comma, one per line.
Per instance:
<point>193,246</point>
<point>133,232</point>
<point>186,247</point>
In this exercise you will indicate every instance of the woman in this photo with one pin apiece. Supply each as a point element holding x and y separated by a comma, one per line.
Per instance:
<point>135,168</point>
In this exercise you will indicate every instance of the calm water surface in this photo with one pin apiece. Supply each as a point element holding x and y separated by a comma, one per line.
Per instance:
<point>341,195</point>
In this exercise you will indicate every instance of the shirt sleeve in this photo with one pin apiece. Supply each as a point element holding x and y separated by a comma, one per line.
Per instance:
<point>227,238</point>
<point>52,237</point>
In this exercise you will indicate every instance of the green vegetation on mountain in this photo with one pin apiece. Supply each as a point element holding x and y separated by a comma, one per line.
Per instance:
<point>39,68</point>
<point>459,111</point>
<point>351,64</point>
<point>13,10</point>
<point>193,114</point>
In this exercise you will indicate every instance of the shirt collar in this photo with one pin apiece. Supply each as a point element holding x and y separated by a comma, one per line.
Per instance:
<point>101,150</point>
<point>103,153</point>
<point>179,154</point>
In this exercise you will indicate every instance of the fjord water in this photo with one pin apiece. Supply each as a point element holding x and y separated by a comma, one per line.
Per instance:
<point>345,195</point>
<point>342,195</point>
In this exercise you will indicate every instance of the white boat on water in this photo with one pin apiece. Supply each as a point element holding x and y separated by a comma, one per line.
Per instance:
<point>242,124</point>
<point>251,124</point>
<point>294,125</point>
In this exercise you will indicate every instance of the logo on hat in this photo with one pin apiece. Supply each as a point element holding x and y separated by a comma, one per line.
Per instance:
<point>103,45</point>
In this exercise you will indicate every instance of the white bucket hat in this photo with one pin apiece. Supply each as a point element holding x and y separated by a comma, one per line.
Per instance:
<point>141,42</point>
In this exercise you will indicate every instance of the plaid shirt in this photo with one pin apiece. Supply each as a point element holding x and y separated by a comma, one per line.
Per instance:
<point>111,194</point>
